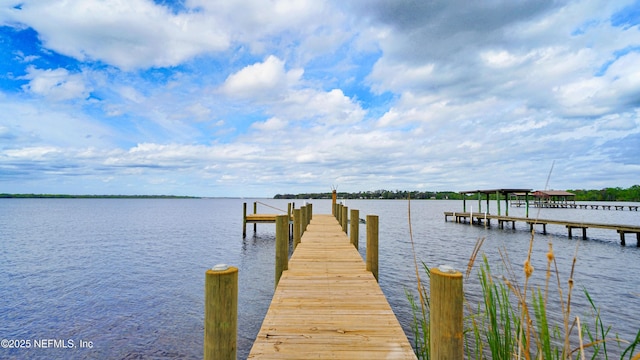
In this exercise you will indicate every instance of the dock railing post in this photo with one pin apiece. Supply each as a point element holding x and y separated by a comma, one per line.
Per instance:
<point>282,246</point>
<point>244,220</point>
<point>221,313</point>
<point>310,206</point>
<point>345,218</point>
<point>446,311</point>
<point>355,227</point>
<point>372,245</point>
<point>303,219</point>
<point>334,198</point>
<point>296,227</point>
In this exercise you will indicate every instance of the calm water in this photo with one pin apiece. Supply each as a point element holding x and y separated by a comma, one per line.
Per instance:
<point>124,279</point>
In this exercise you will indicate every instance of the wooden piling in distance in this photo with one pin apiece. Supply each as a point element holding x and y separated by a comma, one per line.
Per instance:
<point>244,220</point>
<point>355,227</point>
<point>221,313</point>
<point>372,245</point>
<point>303,219</point>
<point>445,315</point>
<point>297,234</point>
<point>282,246</point>
<point>255,211</point>
<point>334,199</point>
<point>345,218</point>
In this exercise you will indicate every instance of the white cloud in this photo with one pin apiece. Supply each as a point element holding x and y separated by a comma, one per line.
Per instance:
<point>265,80</point>
<point>56,84</point>
<point>270,125</point>
<point>129,34</point>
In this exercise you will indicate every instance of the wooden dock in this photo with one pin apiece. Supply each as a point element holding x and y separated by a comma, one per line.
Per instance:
<point>328,306</point>
<point>482,218</point>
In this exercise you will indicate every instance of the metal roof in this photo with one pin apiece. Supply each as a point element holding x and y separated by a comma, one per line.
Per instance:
<point>555,193</point>
<point>493,191</point>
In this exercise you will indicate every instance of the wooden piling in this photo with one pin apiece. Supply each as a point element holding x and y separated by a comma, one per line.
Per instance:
<point>445,316</point>
<point>355,227</point>
<point>303,219</point>
<point>282,246</point>
<point>372,245</point>
<point>345,218</point>
<point>244,220</point>
<point>334,199</point>
<point>297,234</point>
<point>255,211</point>
<point>221,313</point>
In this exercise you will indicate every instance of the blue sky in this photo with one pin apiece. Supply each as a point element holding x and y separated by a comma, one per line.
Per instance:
<point>254,98</point>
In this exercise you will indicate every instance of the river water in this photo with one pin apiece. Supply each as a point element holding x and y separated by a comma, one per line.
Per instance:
<point>124,278</point>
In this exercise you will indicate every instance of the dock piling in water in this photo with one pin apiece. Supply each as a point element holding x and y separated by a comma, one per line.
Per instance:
<point>372,244</point>
<point>345,218</point>
<point>355,227</point>
<point>221,313</point>
<point>446,313</point>
<point>282,245</point>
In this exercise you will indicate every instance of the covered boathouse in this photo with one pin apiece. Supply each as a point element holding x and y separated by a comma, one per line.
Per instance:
<point>500,194</point>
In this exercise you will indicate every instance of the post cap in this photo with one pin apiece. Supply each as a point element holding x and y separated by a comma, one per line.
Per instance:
<point>446,269</point>
<point>220,267</point>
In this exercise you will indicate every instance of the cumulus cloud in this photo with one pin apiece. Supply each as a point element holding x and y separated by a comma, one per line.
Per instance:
<point>367,93</point>
<point>57,84</point>
<point>129,34</point>
<point>265,80</point>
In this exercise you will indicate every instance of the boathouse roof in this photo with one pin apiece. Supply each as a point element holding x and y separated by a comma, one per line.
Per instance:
<point>493,191</point>
<point>553,193</point>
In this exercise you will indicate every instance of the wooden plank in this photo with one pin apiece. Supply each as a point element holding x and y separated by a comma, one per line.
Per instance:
<point>327,306</point>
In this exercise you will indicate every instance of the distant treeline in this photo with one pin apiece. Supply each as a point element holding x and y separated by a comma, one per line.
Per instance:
<point>378,194</point>
<point>607,194</point>
<point>63,196</point>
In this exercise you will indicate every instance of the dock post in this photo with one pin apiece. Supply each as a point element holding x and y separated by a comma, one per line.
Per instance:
<point>303,219</point>
<point>506,204</point>
<point>498,201</point>
<point>255,211</point>
<point>334,198</point>
<point>221,313</point>
<point>296,227</point>
<point>345,218</point>
<point>309,213</point>
<point>372,245</point>
<point>355,227</point>
<point>445,317</point>
<point>244,220</point>
<point>282,246</point>
<point>487,203</point>
<point>289,222</point>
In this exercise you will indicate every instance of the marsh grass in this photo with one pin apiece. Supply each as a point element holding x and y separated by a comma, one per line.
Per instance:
<point>511,320</point>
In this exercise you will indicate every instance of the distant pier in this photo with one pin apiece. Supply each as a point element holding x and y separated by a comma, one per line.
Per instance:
<point>483,218</point>
<point>527,198</point>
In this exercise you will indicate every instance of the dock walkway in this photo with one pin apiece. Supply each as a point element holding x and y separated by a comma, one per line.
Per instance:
<point>328,306</point>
